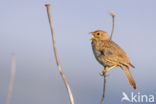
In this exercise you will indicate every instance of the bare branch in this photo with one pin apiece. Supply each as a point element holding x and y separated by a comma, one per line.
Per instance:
<point>56,56</point>
<point>11,78</point>
<point>113,23</point>
<point>104,74</point>
<point>104,88</point>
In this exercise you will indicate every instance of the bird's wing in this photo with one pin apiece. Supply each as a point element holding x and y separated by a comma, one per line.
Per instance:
<point>114,52</point>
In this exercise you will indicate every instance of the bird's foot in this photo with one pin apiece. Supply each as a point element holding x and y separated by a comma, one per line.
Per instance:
<point>104,74</point>
<point>101,74</point>
<point>104,71</point>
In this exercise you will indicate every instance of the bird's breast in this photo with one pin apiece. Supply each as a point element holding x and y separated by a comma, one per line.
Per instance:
<point>97,53</point>
<point>100,54</point>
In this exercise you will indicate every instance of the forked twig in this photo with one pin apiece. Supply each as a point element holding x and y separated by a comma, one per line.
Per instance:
<point>11,78</point>
<point>56,56</point>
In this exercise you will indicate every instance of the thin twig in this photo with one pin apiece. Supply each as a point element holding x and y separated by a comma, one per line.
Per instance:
<point>104,74</point>
<point>56,56</point>
<point>11,78</point>
<point>104,88</point>
<point>113,23</point>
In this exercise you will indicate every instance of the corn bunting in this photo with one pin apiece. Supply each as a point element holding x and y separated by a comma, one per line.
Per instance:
<point>110,55</point>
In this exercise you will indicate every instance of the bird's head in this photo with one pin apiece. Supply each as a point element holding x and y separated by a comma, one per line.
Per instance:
<point>99,35</point>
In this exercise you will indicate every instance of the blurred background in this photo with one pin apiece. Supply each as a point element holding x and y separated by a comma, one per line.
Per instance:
<point>24,29</point>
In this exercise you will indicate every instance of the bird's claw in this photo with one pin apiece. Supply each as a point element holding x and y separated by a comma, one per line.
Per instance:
<point>101,74</point>
<point>104,74</point>
<point>104,71</point>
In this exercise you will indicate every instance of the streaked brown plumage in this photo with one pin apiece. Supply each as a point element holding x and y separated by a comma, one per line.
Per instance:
<point>110,55</point>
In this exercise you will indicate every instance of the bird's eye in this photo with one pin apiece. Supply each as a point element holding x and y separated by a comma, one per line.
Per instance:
<point>98,33</point>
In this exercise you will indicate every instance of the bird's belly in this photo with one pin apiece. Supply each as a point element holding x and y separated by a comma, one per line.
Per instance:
<point>103,60</point>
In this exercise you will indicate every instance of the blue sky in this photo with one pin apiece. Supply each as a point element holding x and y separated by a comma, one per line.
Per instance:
<point>24,29</point>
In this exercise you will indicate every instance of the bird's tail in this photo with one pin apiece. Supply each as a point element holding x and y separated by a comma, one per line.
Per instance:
<point>129,76</point>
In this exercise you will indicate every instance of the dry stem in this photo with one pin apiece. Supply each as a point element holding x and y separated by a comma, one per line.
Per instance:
<point>113,19</point>
<point>11,79</point>
<point>104,74</point>
<point>56,56</point>
<point>104,88</point>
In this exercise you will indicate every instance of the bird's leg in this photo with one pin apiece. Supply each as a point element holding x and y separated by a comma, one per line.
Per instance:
<point>106,70</point>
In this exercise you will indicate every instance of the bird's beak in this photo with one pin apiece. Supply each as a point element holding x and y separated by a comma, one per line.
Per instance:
<point>92,38</point>
<point>93,33</point>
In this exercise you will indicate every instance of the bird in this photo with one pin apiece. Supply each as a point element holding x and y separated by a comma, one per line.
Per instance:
<point>110,55</point>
